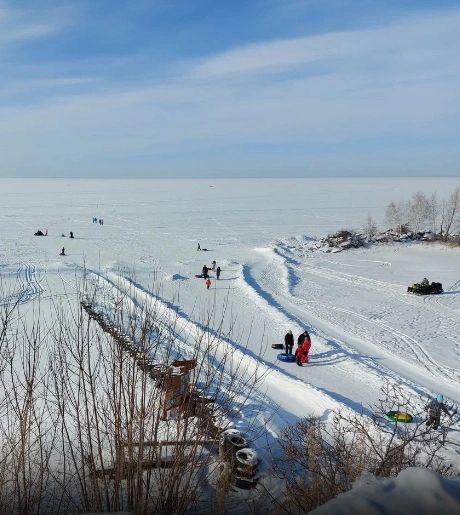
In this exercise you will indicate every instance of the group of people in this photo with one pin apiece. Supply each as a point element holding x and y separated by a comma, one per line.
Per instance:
<point>95,221</point>
<point>303,346</point>
<point>205,275</point>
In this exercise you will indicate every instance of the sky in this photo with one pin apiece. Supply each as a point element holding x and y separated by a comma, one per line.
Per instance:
<point>248,88</point>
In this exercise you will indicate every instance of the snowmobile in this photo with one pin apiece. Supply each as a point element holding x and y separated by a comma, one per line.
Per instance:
<point>429,289</point>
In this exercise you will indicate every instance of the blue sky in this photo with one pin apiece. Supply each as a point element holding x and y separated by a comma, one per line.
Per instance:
<point>254,88</point>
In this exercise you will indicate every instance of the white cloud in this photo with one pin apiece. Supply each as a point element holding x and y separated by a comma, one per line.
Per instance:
<point>393,82</point>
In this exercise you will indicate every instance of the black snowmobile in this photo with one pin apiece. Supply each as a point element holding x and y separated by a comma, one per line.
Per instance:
<point>429,289</point>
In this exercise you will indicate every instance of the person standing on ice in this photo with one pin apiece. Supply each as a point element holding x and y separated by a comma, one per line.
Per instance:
<point>63,251</point>
<point>218,272</point>
<point>303,348</point>
<point>208,283</point>
<point>289,342</point>
<point>199,247</point>
<point>204,271</point>
<point>213,265</point>
<point>301,338</point>
<point>434,411</point>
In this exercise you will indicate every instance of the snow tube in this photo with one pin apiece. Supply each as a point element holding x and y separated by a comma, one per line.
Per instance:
<point>399,416</point>
<point>277,346</point>
<point>289,358</point>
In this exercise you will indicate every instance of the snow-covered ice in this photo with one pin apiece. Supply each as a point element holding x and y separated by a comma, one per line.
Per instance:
<point>365,328</point>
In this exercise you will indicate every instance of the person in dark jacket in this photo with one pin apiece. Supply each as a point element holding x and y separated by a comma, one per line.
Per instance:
<point>434,412</point>
<point>289,342</point>
<point>204,271</point>
<point>63,251</point>
<point>71,234</point>
<point>301,338</point>
<point>218,272</point>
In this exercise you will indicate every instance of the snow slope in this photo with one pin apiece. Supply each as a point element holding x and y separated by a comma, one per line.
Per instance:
<point>365,328</point>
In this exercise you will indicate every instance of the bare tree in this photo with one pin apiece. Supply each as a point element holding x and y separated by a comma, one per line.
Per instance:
<point>419,210</point>
<point>396,215</point>
<point>450,214</point>
<point>433,212</point>
<point>90,419</point>
<point>370,227</point>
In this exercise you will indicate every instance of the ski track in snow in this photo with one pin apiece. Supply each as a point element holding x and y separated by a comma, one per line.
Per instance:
<point>29,285</point>
<point>275,267</point>
<point>281,286</point>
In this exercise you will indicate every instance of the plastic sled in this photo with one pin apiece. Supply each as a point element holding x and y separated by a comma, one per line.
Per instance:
<point>399,416</point>
<point>277,346</point>
<point>288,358</point>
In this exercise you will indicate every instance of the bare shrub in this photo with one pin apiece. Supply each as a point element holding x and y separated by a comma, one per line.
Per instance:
<point>370,227</point>
<point>396,215</point>
<point>418,211</point>
<point>319,460</point>
<point>450,214</point>
<point>83,425</point>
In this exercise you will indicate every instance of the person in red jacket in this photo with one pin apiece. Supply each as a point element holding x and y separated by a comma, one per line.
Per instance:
<point>208,283</point>
<point>304,345</point>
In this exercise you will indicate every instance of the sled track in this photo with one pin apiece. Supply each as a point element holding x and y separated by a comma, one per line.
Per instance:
<point>420,354</point>
<point>29,286</point>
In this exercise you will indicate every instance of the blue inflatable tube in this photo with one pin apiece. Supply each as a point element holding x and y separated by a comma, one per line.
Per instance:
<point>289,358</point>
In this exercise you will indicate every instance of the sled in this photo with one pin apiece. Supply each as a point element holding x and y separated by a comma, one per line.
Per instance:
<point>431,289</point>
<point>277,346</point>
<point>288,358</point>
<point>399,416</point>
<point>199,276</point>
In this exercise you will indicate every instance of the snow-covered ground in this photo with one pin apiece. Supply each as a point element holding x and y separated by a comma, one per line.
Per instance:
<point>365,328</point>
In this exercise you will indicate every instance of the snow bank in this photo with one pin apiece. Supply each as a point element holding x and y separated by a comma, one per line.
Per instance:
<point>416,491</point>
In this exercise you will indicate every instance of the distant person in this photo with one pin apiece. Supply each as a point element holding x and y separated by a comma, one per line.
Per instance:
<point>213,265</point>
<point>289,342</point>
<point>63,251</point>
<point>199,247</point>
<point>71,234</point>
<point>434,412</point>
<point>100,221</point>
<point>204,271</point>
<point>218,272</point>
<point>46,232</point>
<point>208,283</point>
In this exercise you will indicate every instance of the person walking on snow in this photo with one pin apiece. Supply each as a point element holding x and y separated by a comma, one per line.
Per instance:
<point>199,247</point>
<point>213,265</point>
<point>208,283</point>
<point>204,271</point>
<point>434,411</point>
<point>63,251</point>
<point>289,342</point>
<point>218,272</point>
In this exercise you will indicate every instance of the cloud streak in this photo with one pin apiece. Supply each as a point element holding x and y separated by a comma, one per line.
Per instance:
<point>386,89</point>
